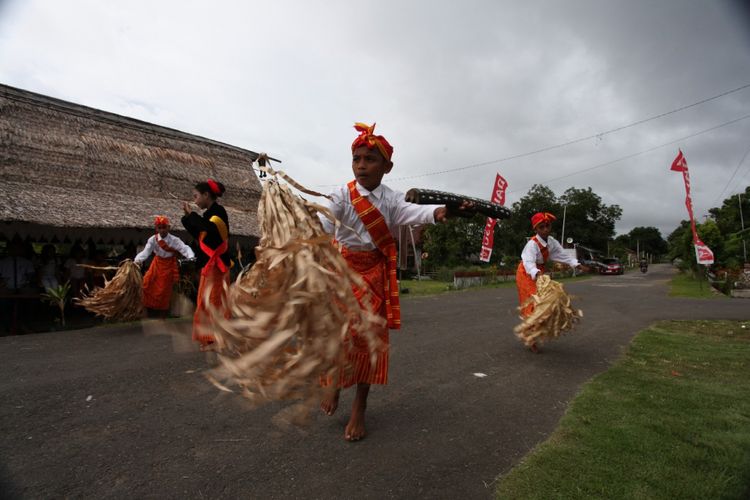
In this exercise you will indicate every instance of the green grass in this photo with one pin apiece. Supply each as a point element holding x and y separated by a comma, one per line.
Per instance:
<point>670,420</point>
<point>434,287</point>
<point>686,285</point>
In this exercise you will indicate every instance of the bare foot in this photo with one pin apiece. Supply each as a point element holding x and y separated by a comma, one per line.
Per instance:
<point>211,346</point>
<point>330,403</point>
<point>533,348</point>
<point>355,429</point>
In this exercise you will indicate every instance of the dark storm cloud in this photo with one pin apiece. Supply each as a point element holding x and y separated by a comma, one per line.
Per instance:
<point>452,84</point>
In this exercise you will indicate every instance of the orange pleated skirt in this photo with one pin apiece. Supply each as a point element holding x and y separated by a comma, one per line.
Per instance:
<point>161,276</point>
<point>526,288</point>
<point>212,287</point>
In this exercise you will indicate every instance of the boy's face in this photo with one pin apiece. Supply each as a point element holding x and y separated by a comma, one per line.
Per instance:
<point>369,167</point>
<point>543,229</point>
<point>163,230</point>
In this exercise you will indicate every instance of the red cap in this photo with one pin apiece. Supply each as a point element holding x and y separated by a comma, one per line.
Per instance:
<point>540,217</point>
<point>161,220</point>
<point>367,138</point>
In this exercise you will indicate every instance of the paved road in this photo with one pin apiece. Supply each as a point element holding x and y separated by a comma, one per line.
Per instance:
<point>116,412</point>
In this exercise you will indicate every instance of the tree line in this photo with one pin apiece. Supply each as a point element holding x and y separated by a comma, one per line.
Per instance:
<point>590,223</point>
<point>721,231</point>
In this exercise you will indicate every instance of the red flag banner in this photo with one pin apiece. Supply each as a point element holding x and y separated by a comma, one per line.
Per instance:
<point>703,254</point>
<point>498,196</point>
<point>679,164</point>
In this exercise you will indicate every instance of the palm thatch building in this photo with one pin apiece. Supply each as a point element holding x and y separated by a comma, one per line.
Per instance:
<point>70,172</point>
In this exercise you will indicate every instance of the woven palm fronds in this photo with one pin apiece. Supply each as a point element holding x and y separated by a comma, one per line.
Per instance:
<point>293,310</point>
<point>121,298</point>
<point>552,313</point>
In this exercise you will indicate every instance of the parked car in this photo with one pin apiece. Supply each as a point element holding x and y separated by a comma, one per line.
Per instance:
<point>611,266</point>
<point>593,265</point>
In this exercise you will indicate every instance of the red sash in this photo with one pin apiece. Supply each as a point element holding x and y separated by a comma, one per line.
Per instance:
<point>163,245</point>
<point>375,224</point>
<point>214,254</point>
<point>545,253</point>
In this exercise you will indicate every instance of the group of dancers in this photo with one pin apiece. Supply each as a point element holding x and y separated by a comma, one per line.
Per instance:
<point>368,211</point>
<point>211,230</point>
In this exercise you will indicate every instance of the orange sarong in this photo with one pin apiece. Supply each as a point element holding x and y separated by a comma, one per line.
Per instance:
<point>212,280</point>
<point>526,285</point>
<point>214,275</point>
<point>383,239</point>
<point>161,276</point>
<point>372,267</point>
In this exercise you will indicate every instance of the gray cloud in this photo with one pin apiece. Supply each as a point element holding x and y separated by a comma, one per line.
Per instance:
<point>450,84</point>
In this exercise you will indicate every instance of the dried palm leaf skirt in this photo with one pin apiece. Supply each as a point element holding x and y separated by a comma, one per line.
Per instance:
<point>552,313</point>
<point>121,298</point>
<point>292,313</point>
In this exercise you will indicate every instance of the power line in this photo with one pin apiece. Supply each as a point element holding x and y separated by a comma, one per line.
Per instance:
<point>731,178</point>
<point>742,179</point>
<point>574,141</point>
<point>601,165</point>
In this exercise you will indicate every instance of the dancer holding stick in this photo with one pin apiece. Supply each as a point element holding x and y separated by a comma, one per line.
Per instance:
<point>370,212</point>
<point>212,232</point>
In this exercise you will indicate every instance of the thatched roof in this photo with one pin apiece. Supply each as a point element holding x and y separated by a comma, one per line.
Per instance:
<point>70,170</point>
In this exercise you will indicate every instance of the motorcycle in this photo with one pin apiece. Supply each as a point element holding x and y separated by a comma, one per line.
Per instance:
<point>644,267</point>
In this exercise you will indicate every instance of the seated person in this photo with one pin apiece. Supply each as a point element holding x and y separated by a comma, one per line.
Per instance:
<point>16,272</point>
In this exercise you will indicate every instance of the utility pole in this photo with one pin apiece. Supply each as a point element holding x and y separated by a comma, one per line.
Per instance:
<point>417,258</point>
<point>742,225</point>
<point>562,238</point>
<point>398,277</point>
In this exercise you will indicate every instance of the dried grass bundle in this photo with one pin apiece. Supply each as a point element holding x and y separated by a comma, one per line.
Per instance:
<point>552,313</point>
<point>121,298</point>
<point>291,313</point>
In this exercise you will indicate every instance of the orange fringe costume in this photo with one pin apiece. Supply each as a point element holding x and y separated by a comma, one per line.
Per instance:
<point>378,269</point>
<point>525,284</point>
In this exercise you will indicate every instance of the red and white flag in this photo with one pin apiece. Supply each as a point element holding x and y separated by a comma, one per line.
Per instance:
<point>703,254</point>
<point>498,196</point>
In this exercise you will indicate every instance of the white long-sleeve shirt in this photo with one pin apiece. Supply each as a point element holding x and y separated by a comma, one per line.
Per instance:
<point>396,212</point>
<point>152,246</point>
<point>532,255</point>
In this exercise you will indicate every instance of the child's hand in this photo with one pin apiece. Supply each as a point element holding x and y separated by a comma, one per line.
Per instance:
<point>466,209</point>
<point>441,214</point>
<point>467,206</point>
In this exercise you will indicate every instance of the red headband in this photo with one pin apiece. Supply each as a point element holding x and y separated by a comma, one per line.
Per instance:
<point>213,187</point>
<point>161,220</point>
<point>540,217</point>
<point>368,139</point>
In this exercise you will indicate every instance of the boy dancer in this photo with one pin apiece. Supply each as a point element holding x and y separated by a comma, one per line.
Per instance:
<point>369,212</point>
<point>163,272</point>
<point>540,249</point>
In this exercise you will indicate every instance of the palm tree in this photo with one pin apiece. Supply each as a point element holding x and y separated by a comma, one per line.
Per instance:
<point>58,296</point>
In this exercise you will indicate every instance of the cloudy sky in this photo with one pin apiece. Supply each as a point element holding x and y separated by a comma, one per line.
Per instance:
<point>461,89</point>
